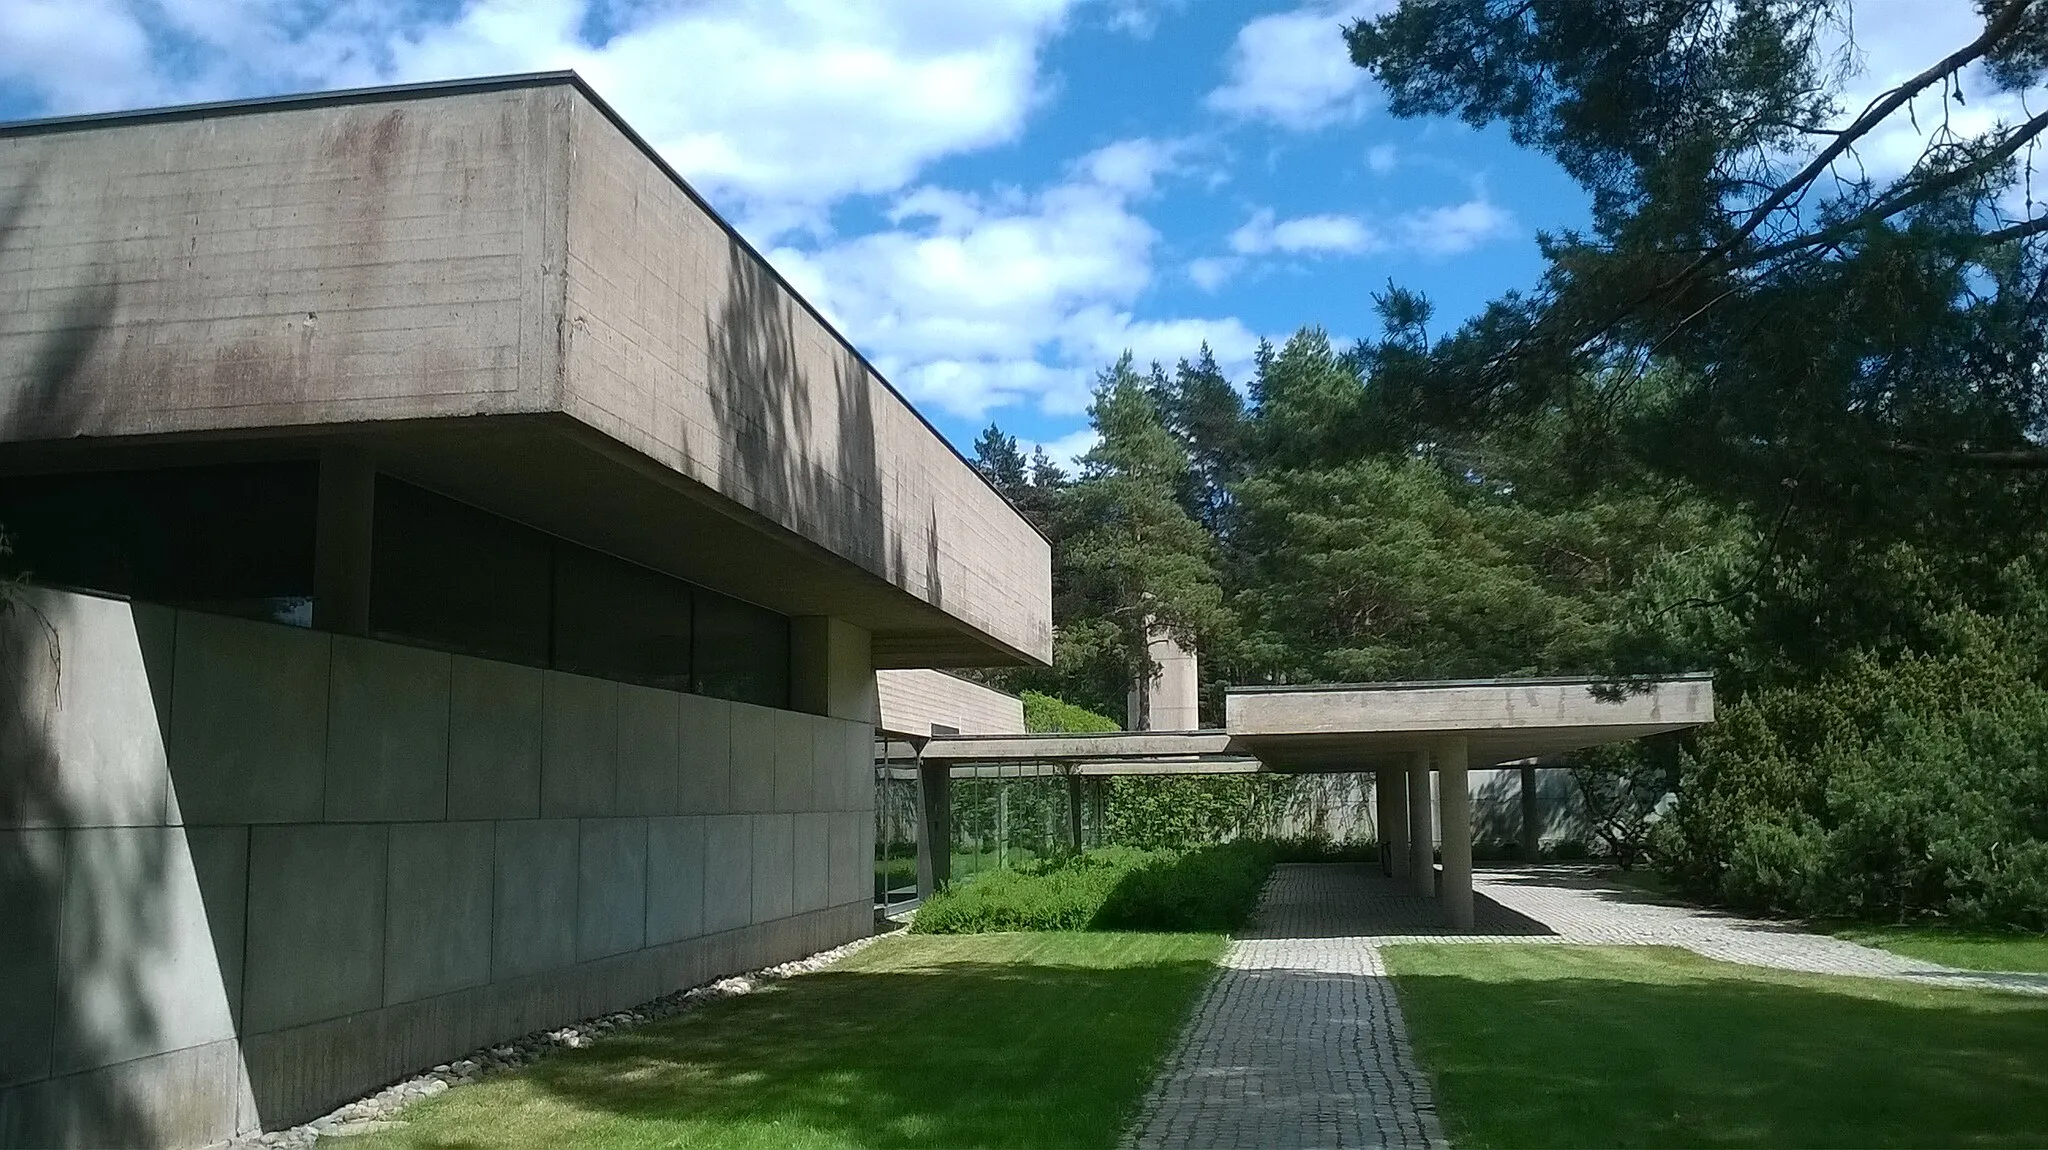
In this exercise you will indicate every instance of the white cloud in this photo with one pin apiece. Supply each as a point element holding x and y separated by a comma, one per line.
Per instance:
<point>1455,228</point>
<point>1067,450</point>
<point>1893,42</point>
<point>774,108</point>
<point>1382,158</point>
<point>1132,166</point>
<point>975,302</point>
<point>1212,272</point>
<point>1293,68</point>
<point>1343,235</point>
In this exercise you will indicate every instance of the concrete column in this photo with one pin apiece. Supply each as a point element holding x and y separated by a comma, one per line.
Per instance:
<point>1532,818</point>
<point>341,541</point>
<point>1074,811</point>
<point>1454,794</point>
<point>935,834</point>
<point>831,668</point>
<point>1421,835</point>
<point>1399,854</point>
<point>1098,808</point>
<point>1382,832</point>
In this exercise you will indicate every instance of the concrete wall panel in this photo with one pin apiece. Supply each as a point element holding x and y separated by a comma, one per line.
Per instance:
<point>728,871</point>
<point>438,928</point>
<point>796,766</point>
<point>675,878</point>
<point>611,895</point>
<point>248,721</point>
<point>774,867</point>
<point>754,741</point>
<point>139,974</point>
<point>704,769</point>
<point>31,901</point>
<point>579,746</point>
<point>534,908</point>
<point>316,923</point>
<point>338,955</point>
<point>913,701</point>
<point>648,750</point>
<point>810,854</point>
<point>85,736</point>
<point>387,733</point>
<point>220,861</point>
<point>196,1096</point>
<point>494,740</point>
<point>850,861</point>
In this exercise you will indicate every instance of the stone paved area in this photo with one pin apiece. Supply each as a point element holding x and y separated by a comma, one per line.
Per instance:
<point>1298,1042</point>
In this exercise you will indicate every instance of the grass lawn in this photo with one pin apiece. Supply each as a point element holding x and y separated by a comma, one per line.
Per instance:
<point>944,1041</point>
<point>1964,949</point>
<point>1650,1046</point>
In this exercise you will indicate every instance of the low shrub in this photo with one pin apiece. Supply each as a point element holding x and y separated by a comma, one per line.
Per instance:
<point>1891,791</point>
<point>1211,888</point>
<point>1048,894</point>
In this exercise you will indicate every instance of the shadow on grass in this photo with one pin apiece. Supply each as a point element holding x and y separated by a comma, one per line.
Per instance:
<point>956,1054</point>
<point>1695,1056</point>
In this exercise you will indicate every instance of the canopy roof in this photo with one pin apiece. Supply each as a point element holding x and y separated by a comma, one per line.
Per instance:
<point>1369,726</point>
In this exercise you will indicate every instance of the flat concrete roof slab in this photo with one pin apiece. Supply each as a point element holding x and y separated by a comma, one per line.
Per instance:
<point>1362,727</point>
<point>1367,726</point>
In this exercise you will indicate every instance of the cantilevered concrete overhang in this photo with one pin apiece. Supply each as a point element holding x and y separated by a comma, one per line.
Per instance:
<point>1370,726</point>
<point>497,290</point>
<point>1378,725</point>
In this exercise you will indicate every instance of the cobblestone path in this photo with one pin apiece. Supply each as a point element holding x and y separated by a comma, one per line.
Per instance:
<point>1299,1042</point>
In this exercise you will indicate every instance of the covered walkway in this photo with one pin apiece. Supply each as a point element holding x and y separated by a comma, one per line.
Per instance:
<point>1420,741</point>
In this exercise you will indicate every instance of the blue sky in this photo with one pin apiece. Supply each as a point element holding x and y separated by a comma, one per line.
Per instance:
<point>992,199</point>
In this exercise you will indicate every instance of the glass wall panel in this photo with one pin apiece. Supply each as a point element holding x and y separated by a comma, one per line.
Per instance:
<point>449,575</point>
<point>235,539</point>
<point>620,620</point>
<point>742,651</point>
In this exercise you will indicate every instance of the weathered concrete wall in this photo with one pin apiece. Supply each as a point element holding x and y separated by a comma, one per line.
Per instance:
<point>682,345</point>
<point>1170,698</point>
<point>915,701</point>
<point>308,265</point>
<point>249,871</point>
<point>365,267</point>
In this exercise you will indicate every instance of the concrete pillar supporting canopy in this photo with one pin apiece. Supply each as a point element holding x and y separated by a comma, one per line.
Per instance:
<point>1400,865</point>
<point>1421,835</point>
<point>935,836</point>
<point>1455,796</point>
<point>1532,818</point>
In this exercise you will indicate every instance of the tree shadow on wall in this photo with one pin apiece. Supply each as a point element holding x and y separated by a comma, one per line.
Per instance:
<point>84,921</point>
<point>798,451</point>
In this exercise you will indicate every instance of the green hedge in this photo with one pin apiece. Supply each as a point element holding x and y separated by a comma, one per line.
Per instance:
<point>1895,790</point>
<point>1213,888</point>
<point>1044,713</point>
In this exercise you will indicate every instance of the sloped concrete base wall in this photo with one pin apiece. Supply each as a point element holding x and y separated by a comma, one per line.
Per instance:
<point>250,871</point>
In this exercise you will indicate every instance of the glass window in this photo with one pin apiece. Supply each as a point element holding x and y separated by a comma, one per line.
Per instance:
<point>621,620</point>
<point>742,651</point>
<point>235,539</point>
<point>449,575</point>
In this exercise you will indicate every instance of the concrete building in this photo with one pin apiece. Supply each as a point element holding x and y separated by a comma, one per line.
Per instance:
<point>459,565</point>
